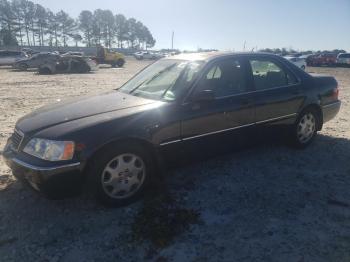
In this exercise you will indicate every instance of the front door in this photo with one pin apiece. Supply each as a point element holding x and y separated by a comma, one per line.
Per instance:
<point>232,106</point>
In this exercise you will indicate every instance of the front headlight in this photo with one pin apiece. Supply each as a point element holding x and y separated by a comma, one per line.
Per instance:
<point>50,150</point>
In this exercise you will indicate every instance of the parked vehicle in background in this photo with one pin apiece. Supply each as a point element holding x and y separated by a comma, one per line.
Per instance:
<point>68,64</point>
<point>148,55</point>
<point>108,56</point>
<point>29,51</point>
<point>309,59</point>
<point>343,59</point>
<point>326,59</point>
<point>35,61</point>
<point>10,57</point>
<point>70,53</point>
<point>299,62</point>
<point>116,141</point>
<point>305,57</point>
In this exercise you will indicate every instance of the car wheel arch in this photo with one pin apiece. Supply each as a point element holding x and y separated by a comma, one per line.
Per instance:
<point>149,147</point>
<point>317,109</point>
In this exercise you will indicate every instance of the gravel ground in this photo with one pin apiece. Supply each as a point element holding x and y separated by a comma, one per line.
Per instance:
<point>266,203</point>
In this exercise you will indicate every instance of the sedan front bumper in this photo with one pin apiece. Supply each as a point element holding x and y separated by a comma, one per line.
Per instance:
<point>52,179</point>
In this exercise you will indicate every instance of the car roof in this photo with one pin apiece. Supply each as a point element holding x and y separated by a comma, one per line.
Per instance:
<point>207,56</point>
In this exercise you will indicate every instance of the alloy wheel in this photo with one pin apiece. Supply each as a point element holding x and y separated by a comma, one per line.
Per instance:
<point>306,128</point>
<point>123,176</point>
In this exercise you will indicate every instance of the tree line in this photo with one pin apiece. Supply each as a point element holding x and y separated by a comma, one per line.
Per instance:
<point>25,23</point>
<point>284,51</point>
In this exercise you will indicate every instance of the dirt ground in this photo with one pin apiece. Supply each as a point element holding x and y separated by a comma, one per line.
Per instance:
<point>267,203</point>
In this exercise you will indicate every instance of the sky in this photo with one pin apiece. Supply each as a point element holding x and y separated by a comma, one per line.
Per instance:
<point>227,25</point>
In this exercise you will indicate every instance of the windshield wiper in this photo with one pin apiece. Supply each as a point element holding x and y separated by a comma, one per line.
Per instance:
<point>154,77</point>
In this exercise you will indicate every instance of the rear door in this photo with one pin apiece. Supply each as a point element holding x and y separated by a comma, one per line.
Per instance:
<point>232,106</point>
<point>278,92</point>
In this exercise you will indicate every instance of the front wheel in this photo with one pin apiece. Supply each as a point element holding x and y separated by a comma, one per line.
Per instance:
<point>305,129</point>
<point>120,174</point>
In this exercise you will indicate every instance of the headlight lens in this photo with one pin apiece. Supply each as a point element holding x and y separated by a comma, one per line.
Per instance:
<point>50,150</point>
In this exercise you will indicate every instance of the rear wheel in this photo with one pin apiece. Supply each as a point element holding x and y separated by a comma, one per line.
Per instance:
<point>305,128</point>
<point>120,174</point>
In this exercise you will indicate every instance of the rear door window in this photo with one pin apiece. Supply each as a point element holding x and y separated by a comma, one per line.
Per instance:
<point>268,74</point>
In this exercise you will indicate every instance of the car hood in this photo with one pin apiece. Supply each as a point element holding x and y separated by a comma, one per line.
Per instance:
<point>74,109</point>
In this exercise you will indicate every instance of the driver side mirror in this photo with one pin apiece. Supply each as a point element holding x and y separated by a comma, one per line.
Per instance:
<point>204,96</point>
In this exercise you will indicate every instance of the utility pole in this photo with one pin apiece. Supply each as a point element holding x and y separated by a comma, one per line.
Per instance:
<point>172,41</point>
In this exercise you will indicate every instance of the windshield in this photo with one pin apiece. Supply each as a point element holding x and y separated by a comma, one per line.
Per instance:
<point>164,80</point>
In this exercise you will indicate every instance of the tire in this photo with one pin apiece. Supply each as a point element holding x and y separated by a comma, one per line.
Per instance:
<point>23,66</point>
<point>120,62</point>
<point>304,130</point>
<point>303,67</point>
<point>120,173</point>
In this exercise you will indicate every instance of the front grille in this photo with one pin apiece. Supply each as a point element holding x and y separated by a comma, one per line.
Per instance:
<point>16,139</point>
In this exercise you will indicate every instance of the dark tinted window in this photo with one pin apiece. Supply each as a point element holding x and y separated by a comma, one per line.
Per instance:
<point>344,56</point>
<point>225,78</point>
<point>267,74</point>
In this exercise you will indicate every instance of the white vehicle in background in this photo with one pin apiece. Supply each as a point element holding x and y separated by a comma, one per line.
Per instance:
<point>10,57</point>
<point>299,62</point>
<point>147,55</point>
<point>343,59</point>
